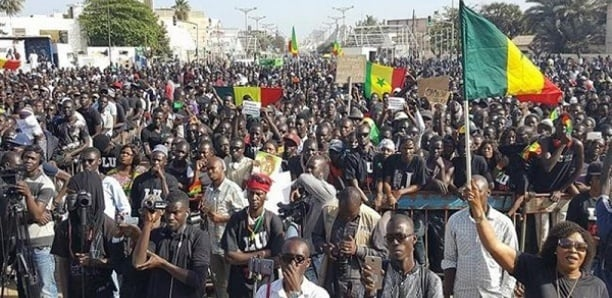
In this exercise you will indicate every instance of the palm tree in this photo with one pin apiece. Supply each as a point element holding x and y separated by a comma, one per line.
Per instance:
<point>11,7</point>
<point>566,26</point>
<point>181,9</point>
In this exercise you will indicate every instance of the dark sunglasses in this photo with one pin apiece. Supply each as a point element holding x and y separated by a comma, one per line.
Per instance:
<point>88,160</point>
<point>399,237</point>
<point>288,258</point>
<point>568,244</point>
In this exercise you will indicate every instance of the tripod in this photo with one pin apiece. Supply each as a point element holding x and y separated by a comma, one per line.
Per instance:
<point>22,259</point>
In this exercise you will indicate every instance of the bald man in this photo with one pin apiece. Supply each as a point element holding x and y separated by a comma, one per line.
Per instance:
<point>294,261</point>
<point>221,199</point>
<point>469,270</point>
<point>344,234</point>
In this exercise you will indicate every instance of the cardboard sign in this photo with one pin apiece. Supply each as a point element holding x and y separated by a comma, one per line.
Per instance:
<point>396,103</point>
<point>350,66</point>
<point>251,108</point>
<point>435,83</point>
<point>437,96</point>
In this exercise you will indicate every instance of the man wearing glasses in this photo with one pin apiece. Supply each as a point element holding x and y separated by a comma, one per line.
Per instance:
<point>403,276</point>
<point>239,167</point>
<point>294,261</point>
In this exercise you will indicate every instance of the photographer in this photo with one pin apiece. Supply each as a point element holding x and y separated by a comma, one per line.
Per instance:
<point>251,233</point>
<point>177,255</point>
<point>84,243</point>
<point>36,191</point>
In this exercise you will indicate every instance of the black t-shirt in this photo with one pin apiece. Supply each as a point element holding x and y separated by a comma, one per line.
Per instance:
<point>148,184</point>
<point>188,250</point>
<point>154,138</point>
<point>578,209</point>
<point>540,280</point>
<point>92,117</point>
<point>378,169</point>
<point>354,167</point>
<point>479,167</point>
<point>403,174</point>
<point>294,166</point>
<point>238,237</point>
<point>543,181</point>
<point>109,160</point>
<point>98,281</point>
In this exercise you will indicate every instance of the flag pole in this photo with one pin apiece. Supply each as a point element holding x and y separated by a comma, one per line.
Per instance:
<point>466,105</point>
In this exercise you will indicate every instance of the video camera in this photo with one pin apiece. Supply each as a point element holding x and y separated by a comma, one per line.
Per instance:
<point>154,203</point>
<point>81,199</point>
<point>294,211</point>
<point>10,178</point>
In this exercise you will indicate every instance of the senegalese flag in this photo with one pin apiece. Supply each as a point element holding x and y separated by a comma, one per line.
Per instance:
<point>9,64</point>
<point>266,96</point>
<point>337,49</point>
<point>494,66</point>
<point>374,131</point>
<point>382,79</point>
<point>534,149</point>
<point>293,46</point>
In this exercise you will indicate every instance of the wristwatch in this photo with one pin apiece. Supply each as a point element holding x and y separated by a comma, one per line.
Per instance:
<point>294,294</point>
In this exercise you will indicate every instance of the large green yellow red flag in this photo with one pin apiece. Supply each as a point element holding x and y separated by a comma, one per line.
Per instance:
<point>293,46</point>
<point>266,96</point>
<point>494,66</point>
<point>382,79</point>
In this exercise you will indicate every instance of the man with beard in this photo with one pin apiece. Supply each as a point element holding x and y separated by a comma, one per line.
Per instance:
<point>251,233</point>
<point>177,255</point>
<point>179,166</point>
<point>156,132</point>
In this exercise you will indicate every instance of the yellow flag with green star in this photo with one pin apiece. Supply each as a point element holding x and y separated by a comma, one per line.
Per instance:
<point>382,79</point>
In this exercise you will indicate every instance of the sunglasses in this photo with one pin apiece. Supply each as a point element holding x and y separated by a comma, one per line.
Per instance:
<point>288,258</point>
<point>399,237</point>
<point>568,244</point>
<point>88,160</point>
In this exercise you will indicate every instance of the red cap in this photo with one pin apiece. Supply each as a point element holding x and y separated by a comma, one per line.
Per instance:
<point>259,181</point>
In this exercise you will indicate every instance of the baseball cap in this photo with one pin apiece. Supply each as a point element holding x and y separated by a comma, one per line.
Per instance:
<point>336,145</point>
<point>161,148</point>
<point>386,144</point>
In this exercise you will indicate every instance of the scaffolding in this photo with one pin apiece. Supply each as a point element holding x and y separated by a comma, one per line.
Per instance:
<point>395,40</point>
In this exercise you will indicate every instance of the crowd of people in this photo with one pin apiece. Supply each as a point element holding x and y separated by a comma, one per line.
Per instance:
<point>146,181</point>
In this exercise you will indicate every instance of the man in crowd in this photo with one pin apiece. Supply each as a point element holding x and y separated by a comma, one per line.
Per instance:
<point>403,276</point>
<point>177,255</point>
<point>294,261</point>
<point>469,270</point>
<point>343,233</point>
<point>251,233</point>
<point>239,167</point>
<point>221,199</point>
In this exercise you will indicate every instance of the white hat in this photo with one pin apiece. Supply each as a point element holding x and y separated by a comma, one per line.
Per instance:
<point>386,143</point>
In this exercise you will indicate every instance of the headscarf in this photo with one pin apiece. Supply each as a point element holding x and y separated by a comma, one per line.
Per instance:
<point>259,181</point>
<point>90,182</point>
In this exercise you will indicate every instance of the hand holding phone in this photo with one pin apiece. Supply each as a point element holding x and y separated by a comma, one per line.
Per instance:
<point>373,272</point>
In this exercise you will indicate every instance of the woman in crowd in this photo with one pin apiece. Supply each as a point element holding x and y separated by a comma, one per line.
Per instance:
<point>561,269</point>
<point>128,167</point>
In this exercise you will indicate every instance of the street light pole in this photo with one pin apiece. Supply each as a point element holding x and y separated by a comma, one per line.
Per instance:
<point>108,23</point>
<point>246,11</point>
<point>343,11</point>
<point>257,19</point>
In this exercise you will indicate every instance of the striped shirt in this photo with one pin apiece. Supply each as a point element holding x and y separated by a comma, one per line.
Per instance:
<point>477,275</point>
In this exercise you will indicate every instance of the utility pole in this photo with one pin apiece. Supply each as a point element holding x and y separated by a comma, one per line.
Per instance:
<point>336,19</point>
<point>108,23</point>
<point>246,11</point>
<point>257,19</point>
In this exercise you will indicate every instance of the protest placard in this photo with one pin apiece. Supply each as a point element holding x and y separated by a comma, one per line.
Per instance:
<point>435,83</point>
<point>350,66</point>
<point>396,103</point>
<point>251,108</point>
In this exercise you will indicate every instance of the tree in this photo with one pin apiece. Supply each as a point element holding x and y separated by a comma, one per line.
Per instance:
<point>11,7</point>
<point>132,24</point>
<point>181,10</point>
<point>368,21</point>
<point>507,17</point>
<point>566,26</point>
